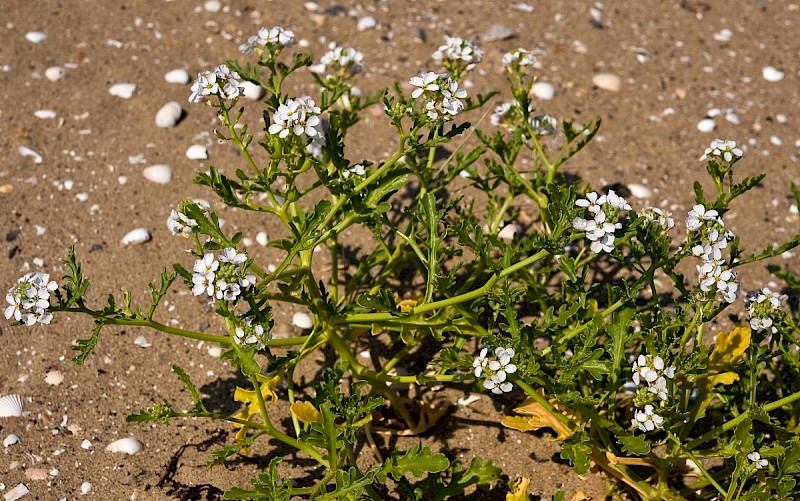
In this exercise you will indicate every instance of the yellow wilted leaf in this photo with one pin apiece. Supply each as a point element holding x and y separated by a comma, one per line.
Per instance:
<point>520,490</point>
<point>542,418</point>
<point>518,423</point>
<point>704,394</point>
<point>306,412</point>
<point>724,378</point>
<point>729,348</point>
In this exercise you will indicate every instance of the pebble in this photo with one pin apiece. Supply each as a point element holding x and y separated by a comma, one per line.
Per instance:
<point>775,140</point>
<point>367,23</point>
<point>771,74</point>
<point>36,474</point>
<point>215,351</point>
<point>44,114</point>
<point>724,35</point>
<point>311,6</point>
<point>508,232</point>
<point>544,90</point>
<point>732,118</point>
<point>35,36</point>
<point>252,91</point>
<point>10,440</point>
<point>86,487</point>
<point>158,173</point>
<point>470,399</point>
<point>212,6</point>
<point>261,238</point>
<point>197,152</point>
<point>177,76</point>
<point>607,81</point>
<point>127,445</point>
<point>498,32</point>
<point>142,342</point>
<point>302,320</point>
<point>522,7</point>
<point>16,493</point>
<point>136,236</point>
<point>169,115</point>
<point>86,444</point>
<point>706,125</point>
<point>122,90</point>
<point>55,73</point>
<point>640,191</point>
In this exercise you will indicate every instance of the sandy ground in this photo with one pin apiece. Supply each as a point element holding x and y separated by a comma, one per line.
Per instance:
<point>676,65</point>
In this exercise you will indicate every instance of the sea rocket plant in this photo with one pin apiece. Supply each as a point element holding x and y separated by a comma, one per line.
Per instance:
<point>269,42</point>
<point>764,307</point>
<point>222,82</point>
<point>603,219</point>
<point>495,371</point>
<point>29,299</point>
<point>458,56</point>
<point>440,95</point>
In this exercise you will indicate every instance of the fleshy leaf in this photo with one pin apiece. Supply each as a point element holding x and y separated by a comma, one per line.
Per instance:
<point>729,348</point>
<point>306,412</point>
<point>539,418</point>
<point>519,492</point>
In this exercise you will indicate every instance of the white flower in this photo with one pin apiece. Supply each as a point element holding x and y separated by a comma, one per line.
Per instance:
<point>503,366</point>
<point>480,362</point>
<point>426,81</point>
<point>29,299</point>
<point>205,85</point>
<point>654,372</point>
<point>724,150</point>
<point>441,94</point>
<point>543,125</point>
<point>497,385</point>
<point>206,264</point>
<point>697,215</point>
<point>659,217</point>
<point>299,116</point>
<point>759,463</point>
<point>518,58</point>
<point>248,335</point>
<point>271,39</point>
<point>247,279</point>
<point>227,291</point>
<point>231,255</point>
<point>647,420</point>
<point>356,170</point>
<point>617,201</point>
<point>203,284</point>
<point>456,49</point>
<point>345,61</point>
<point>593,202</point>
<point>604,244</point>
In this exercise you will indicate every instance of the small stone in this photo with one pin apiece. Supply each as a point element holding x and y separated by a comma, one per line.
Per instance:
<point>44,114</point>
<point>215,351</point>
<point>169,115</point>
<point>732,118</point>
<point>640,191</point>
<point>86,487</point>
<point>311,6</point>
<point>261,238</point>
<point>197,152</point>
<point>522,7</point>
<point>86,444</point>
<point>607,81</point>
<point>771,74</point>
<point>158,173</point>
<point>544,90</point>
<point>419,34</point>
<point>10,440</point>
<point>724,35</point>
<point>498,32</point>
<point>775,140</point>
<point>212,6</point>
<point>35,36</point>
<point>177,76</point>
<point>16,493</point>
<point>55,73</point>
<point>136,236</point>
<point>122,90</point>
<point>706,125</point>
<point>142,342</point>
<point>367,23</point>
<point>36,474</point>
<point>252,91</point>
<point>302,320</point>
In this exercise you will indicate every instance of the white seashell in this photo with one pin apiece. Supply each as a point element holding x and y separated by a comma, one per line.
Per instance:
<point>311,6</point>
<point>86,444</point>
<point>261,238</point>
<point>367,23</point>
<point>640,191</point>
<point>142,342</point>
<point>16,493</point>
<point>508,232</point>
<point>86,487</point>
<point>44,114</point>
<point>498,32</point>
<point>607,81</point>
<point>732,118</point>
<point>27,152</point>
<point>724,35</point>
<point>158,173</point>
<point>54,378</point>
<point>55,73</point>
<point>706,125</point>
<point>252,91</point>
<point>11,406</point>
<point>137,236</point>
<point>177,76</point>
<point>302,320</point>
<point>127,445</point>
<point>771,74</point>
<point>775,140</point>
<point>522,7</point>
<point>169,115</point>
<point>470,399</point>
<point>544,90</point>
<point>197,152</point>
<point>35,36</point>
<point>212,6</point>
<point>122,90</point>
<point>215,351</point>
<point>10,440</point>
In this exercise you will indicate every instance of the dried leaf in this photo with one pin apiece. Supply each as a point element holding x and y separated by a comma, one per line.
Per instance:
<point>518,423</point>
<point>306,412</point>
<point>729,348</point>
<point>541,418</point>
<point>520,490</point>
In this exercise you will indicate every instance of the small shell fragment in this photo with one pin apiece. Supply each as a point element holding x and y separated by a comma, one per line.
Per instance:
<point>544,90</point>
<point>158,173</point>
<point>11,406</point>
<point>10,440</point>
<point>252,91</point>
<point>127,445</point>
<point>302,320</point>
<point>54,378</point>
<point>122,90</point>
<point>508,232</point>
<point>142,342</point>
<point>27,152</point>
<point>136,236</point>
<point>35,36</point>
<point>16,493</point>
<point>44,114</point>
<point>771,74</point>
<point>177,76</point>
<point>367,23</point>
<point>640,191</point>
<point>197,152</point>
<point>55,73</point>
<point>706,125</point>
<point>470,399</point>
<point>169,115</point>
<point>86,487</point>
<point>607,81</point>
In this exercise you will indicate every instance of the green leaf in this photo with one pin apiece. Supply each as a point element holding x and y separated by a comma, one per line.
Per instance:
<point>415,461</point>
<point>269,486</point>
<point>85,346</point>
<point>221,455</point>
<point>577,452</point>
<point>617,330</point>
<point>190,387</point>
<point>158,413</point>
<point>634,445</point>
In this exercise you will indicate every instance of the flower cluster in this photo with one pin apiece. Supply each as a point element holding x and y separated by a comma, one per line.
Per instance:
<point>356,170</point>
<point>654,372</point>
<point>222,82</point>
<point>603,221</point>
<point>248,335</point>
<point>647,420</point>
<point>222,278</point>
<point>764,307</point>
<point>458,55</point>
<point>543,125</point>
<point>712,237</point>
<point>29,299</point>
<point>495,371</point>
<point>299,116</point>
<point>517,60</point>
<point>441,95</point>
<point>722,151</point>
<point>271,40</point>
<point>660,217</point>
<point>341,61</point>
<point>181,224</point>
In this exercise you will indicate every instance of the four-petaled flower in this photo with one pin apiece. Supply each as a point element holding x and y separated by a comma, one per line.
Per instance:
<point>759,463</point>
<point>647,420</point>
<point>29,299</point>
